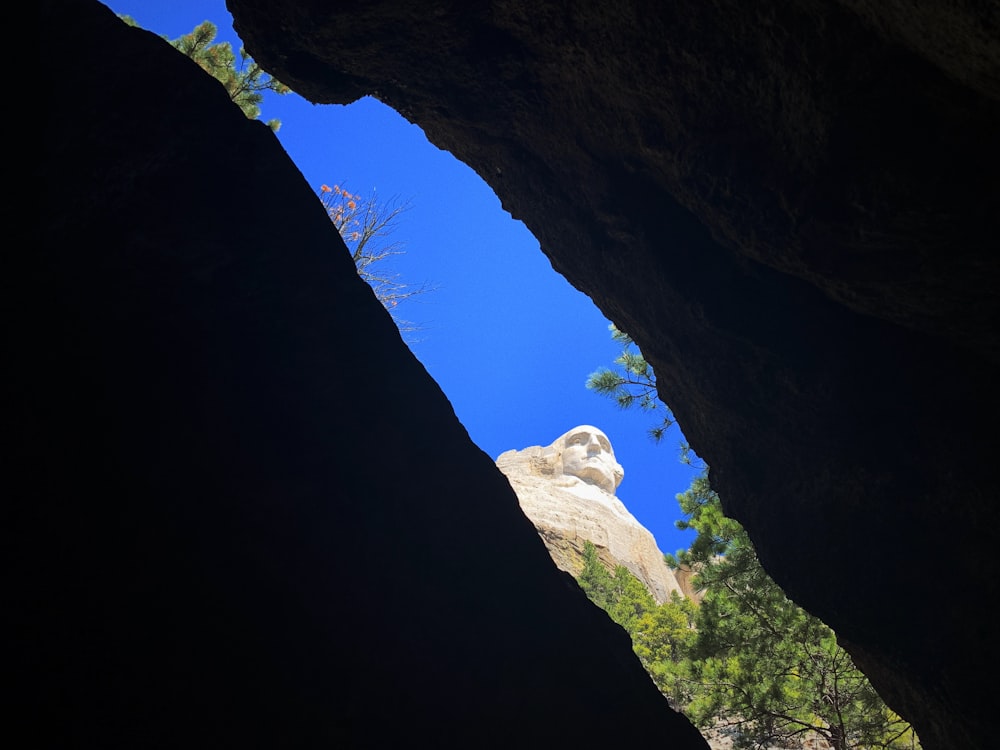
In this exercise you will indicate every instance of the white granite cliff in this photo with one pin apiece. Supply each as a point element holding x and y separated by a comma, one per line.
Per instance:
<point>567,491</point>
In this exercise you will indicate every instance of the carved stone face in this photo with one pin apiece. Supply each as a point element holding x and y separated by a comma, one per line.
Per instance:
<point>587,455</point>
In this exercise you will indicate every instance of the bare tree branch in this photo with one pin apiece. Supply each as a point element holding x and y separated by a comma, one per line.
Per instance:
<point>366,224</point>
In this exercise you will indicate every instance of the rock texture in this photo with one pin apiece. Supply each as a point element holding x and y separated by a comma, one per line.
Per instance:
<point>792,207</point>
<point>204,546</point>
<point>567,512</point>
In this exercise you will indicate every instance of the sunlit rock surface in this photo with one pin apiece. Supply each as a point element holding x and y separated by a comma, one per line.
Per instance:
<point>569,510</point>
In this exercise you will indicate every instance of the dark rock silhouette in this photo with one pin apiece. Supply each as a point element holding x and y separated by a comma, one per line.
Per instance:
<point>793,208</point>
<point>217,543</point>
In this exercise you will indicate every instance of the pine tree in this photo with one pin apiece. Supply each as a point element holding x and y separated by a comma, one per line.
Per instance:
<point>762,666</point>
<point>595,579</point>
<point>661,634</point>
<point>751,662</point>
<point>245,82</point>
<point>632,383</point>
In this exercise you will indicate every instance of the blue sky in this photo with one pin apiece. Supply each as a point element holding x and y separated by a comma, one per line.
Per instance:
<point>508,339</point>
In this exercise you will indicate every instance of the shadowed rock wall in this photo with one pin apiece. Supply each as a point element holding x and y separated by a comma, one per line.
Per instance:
<point>792,206</point>
<point>227,533</point>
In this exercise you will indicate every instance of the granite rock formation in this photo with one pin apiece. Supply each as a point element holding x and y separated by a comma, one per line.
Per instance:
<point>792,207</point>
<point>206,546</point>
<point>568,511</point>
